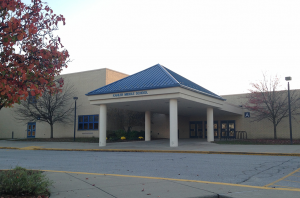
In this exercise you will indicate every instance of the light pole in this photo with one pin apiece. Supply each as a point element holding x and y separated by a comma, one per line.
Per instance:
<point>290,117</point>
<point>75,98</point>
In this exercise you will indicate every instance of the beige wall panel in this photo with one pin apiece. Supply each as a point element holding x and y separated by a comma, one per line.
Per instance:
<point>183,127</point>
<point>43,130</point>
<point>160,127</point>
<point>9,124</point>
<point>264,128</point>
<point>112,76</point>
<point>86,82</point>
<point>83,82</point>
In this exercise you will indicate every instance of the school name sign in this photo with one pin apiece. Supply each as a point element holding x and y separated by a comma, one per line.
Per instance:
<point>134,93</point>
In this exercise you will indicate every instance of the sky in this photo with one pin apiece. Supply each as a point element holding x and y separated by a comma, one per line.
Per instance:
<point>221,45</point>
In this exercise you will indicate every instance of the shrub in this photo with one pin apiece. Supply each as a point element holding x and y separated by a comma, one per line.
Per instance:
<point>23,182</point>
<point>120,133</point>
<point>111,135</point>
<point>141,133</point>
<point>132,135</point>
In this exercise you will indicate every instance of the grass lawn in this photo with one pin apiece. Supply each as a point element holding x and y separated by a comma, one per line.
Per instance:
<point>259,141</point>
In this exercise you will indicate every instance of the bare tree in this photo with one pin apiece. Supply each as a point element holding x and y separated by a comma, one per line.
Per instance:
<point>126,118</point>
<point>51,107</point>
<point>266,101</point>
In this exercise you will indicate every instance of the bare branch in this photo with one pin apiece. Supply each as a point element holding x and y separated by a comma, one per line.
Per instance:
<point>266,101</point>
<point>50,107</point>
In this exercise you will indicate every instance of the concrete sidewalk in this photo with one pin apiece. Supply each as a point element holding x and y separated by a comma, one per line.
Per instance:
<point>162,145</point>
<point>79,185</point>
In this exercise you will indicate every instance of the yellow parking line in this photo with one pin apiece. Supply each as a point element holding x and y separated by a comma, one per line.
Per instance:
<point>30,148</point>
<point>182,180</point>
<point>291,181</point>
<point>271,184</point>
<point>286,187</point>
<point>159,151</point>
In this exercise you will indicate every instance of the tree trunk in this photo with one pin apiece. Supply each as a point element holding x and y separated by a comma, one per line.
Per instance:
<point>51,130</point>
<point>275,134</point>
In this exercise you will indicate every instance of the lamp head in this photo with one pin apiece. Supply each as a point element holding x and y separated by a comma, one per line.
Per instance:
<point>75,98</point>
<point>288,78</point>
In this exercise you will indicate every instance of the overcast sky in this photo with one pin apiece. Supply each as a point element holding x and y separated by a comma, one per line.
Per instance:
<point>222,45</point>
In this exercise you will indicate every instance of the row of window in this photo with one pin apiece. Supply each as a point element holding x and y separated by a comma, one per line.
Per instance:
<point>88,122</point>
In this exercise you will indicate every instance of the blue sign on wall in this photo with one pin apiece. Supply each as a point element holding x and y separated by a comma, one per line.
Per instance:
<point>247,114</point>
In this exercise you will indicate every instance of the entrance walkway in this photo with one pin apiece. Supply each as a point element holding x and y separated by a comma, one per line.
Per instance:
<point>162,145</point>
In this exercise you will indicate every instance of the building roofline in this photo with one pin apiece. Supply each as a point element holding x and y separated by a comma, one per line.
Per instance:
<point>93,71</point>
<point>197,91</point>
<point>116,71</point>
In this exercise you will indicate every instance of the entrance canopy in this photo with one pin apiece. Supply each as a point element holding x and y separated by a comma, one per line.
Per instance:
<point>152,88</point>
<point>157,88</point>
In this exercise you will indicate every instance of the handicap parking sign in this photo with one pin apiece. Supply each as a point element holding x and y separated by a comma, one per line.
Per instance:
<point>247,115</point>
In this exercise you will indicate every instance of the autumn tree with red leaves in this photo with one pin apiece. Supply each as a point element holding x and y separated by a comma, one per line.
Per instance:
<point>30,55</point>
<point>266,101</point>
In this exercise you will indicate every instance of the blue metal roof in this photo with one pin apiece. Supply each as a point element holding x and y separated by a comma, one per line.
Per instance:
<point>185,83</point>
<point>155,77</point>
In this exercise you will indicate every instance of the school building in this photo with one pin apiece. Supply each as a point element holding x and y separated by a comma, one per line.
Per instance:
<point>178,107</point>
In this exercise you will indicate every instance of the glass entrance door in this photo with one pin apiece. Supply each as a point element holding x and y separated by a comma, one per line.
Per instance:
<point>31,129</point>
<point>196,129</point>
<point>228,129</point>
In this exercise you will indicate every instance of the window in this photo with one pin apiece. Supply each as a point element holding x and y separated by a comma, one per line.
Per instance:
<point>31,99</point>
<point>88,122</point>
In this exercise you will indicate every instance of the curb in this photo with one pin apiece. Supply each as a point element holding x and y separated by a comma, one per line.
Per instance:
<point>159,151</point>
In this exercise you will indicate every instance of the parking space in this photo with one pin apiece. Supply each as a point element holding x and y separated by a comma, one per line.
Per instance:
<point>291,181</point>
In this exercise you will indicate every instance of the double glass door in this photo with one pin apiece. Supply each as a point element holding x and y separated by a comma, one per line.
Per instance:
<point>196,130</point>
<point>31,130</point>
<point>228,129</point>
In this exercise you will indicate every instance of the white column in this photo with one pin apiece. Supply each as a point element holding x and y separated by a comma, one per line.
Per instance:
<point>210,124</point>
<point>102,127</point>
<point>147,126</point>
<point>173,123</point>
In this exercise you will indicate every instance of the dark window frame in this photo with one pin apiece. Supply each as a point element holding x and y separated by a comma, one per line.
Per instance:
<point>85,120</point>
<point>31,99</point>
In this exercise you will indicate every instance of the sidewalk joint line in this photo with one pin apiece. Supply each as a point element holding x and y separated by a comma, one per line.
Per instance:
<point>172,179</point>
<point>90,184</point>
<point>194,187</point>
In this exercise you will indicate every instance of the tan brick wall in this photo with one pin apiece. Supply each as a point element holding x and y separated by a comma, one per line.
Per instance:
<point>264,128</point>
<point>84,83</point>
<point>112,76</point>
